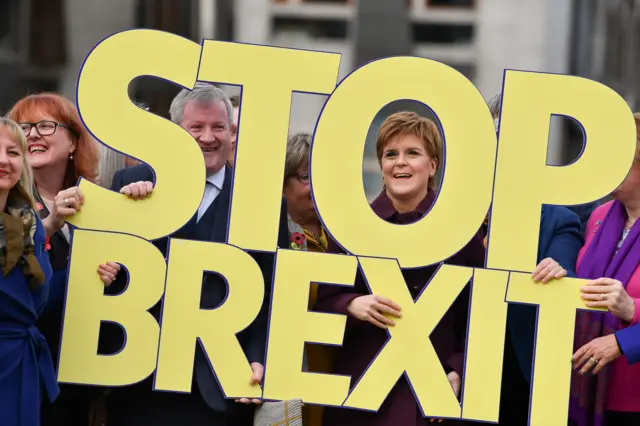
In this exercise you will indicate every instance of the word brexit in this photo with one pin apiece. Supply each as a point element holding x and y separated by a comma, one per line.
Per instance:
<point>507,173</point>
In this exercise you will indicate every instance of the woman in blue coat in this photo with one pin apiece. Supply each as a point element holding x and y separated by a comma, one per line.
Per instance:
<point>26,370</point>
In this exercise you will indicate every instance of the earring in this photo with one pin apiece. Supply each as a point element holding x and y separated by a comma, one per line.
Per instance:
<point>20,182</point>
<point>71,156</point>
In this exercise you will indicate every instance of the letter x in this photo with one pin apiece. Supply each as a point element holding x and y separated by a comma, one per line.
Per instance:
<point>409,350</point>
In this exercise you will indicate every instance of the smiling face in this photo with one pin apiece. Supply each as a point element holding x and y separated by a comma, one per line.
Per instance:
<point>11,160</point>
<point>48,144</point>
<point>409,147</point>
<point>208,123</point>
<point>406,167</point>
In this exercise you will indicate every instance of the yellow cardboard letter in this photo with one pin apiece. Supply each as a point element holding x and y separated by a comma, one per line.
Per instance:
<point>183,320</point>
<point>558,301</point>
<point>523,180</point>
<point>268,76</point>
<point>107,111</point>
<point>292,324</point>
<point>410,349</point>
<point>87,306</point>
<point>485,346</point>
<point>339,145</point>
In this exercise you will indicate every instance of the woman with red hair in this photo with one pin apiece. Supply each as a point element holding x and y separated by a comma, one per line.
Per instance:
<point>60,150</point>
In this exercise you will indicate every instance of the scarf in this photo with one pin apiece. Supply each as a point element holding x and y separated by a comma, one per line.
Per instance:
<point>588,392</point>
<point>17,247</point>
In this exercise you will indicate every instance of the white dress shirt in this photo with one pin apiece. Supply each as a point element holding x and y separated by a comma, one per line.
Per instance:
<point>211,191</point>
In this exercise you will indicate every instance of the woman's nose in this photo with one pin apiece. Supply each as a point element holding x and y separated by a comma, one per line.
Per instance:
<point>4,158</point>
<point>401,159</point>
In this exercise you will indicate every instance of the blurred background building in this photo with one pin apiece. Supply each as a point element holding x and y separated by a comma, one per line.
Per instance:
<point>44,42</point>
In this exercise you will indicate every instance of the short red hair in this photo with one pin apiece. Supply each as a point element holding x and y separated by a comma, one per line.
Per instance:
<point>86,156</point>
<point>410,123</point>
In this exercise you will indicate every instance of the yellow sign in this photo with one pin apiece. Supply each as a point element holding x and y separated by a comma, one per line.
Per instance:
<point>510,176</point>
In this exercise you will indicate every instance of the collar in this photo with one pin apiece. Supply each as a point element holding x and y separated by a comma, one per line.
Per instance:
<point>217,179</point>
<point>383,207</point>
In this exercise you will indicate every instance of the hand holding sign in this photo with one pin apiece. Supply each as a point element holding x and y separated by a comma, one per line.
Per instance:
<point>373,308</point>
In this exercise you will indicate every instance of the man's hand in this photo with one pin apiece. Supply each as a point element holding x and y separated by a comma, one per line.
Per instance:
<point>256,379</point>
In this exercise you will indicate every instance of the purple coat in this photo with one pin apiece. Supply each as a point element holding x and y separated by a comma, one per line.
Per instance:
<point>363,341</point>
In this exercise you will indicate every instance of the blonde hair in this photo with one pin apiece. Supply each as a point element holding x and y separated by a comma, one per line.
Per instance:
<point>25,185</point>
<point>410,123</point>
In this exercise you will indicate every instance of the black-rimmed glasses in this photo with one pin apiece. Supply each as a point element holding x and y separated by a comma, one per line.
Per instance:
<point>43,127</point>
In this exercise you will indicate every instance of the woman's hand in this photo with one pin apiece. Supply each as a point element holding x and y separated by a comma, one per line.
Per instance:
<point>596,354</point>
<point>610,294</point>
<point>138,190</point>
<point>547,270</point>
<point>371,309</point>
<point>108,272</point>
<point>65,204</point>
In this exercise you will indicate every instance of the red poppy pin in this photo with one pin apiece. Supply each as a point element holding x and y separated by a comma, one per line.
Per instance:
<point>47,244</point>
<point>297,240</point>
<point>38,206</point>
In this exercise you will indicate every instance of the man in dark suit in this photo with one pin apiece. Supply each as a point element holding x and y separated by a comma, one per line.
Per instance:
<point>207,114</point>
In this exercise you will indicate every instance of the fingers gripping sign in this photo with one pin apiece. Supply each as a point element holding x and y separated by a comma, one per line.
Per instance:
<point>138,190</point>
<point>609,294</point>
<point>375,309</point>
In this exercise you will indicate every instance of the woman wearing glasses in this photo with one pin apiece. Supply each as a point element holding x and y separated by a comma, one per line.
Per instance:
<point>305,233</point>
<point>60,151</point>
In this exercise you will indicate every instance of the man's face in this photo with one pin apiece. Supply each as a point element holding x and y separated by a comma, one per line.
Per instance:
<point>209,125</point>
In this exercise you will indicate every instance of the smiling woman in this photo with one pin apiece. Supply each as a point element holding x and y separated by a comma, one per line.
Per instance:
<point>26,370</point>
<point>60,150</point>
<point>409,150</point>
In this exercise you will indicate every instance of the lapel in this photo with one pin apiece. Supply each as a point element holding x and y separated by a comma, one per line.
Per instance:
<point>293,228</point>
<point>544,234</point>
<point>220,208</point>
<point>58,240</point>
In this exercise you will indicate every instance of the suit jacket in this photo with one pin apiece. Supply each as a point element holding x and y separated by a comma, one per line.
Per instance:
<point>213,227</point>
<point>584,212</point>
<point>561,239</point>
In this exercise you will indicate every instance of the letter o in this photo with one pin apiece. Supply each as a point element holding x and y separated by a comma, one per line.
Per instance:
<point>470,152</point>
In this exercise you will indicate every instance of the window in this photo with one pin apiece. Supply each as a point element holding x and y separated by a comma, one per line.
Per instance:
<point>174,16</point>
<point>444,3</point>
<point>10,27</point>
<point>47,34</point>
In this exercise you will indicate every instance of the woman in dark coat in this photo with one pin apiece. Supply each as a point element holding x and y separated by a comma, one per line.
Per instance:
<point>409,150</point>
